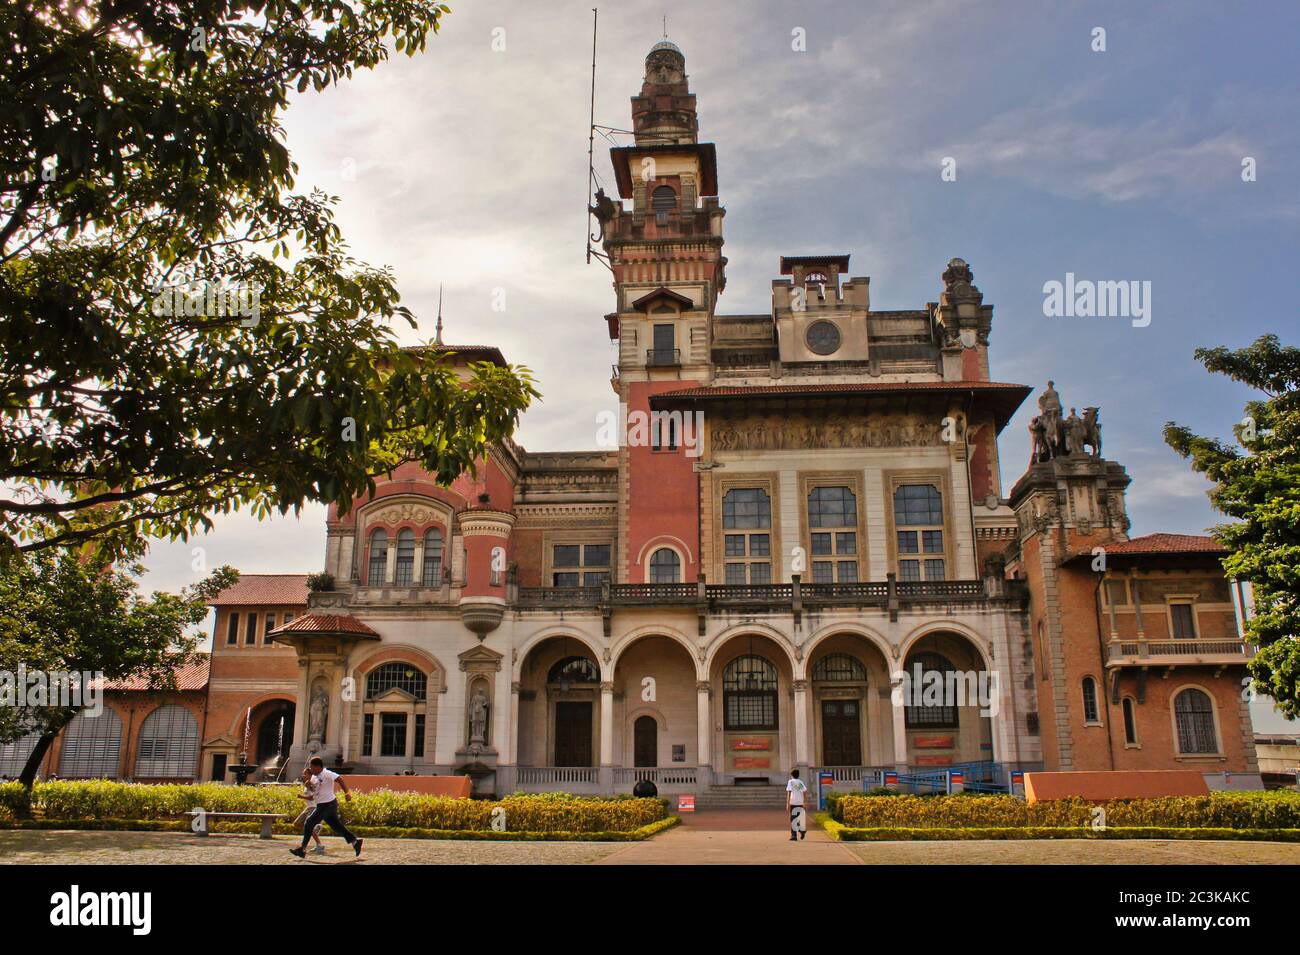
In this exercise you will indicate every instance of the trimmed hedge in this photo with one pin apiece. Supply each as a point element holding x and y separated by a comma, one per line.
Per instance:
<point>545,812</point>
<point>224,827</point>
<point>846,834</point>
<point>1274,810</point>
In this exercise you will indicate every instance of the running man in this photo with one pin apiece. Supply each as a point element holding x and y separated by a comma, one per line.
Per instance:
<point>307,794</point>
<point>326,807</point>
<point>794,793</point>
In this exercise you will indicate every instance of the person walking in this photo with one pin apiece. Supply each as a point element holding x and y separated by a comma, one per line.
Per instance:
<point>326,807</point>
<point>794,800</point>
<point>308,793</point>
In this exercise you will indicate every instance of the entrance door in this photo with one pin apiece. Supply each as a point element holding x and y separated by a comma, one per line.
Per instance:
<point>572,734</point>
<point>645,734</point>
<point>841,733</point>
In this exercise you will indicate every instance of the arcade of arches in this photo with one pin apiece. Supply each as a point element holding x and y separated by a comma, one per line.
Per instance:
<point>760,715</point>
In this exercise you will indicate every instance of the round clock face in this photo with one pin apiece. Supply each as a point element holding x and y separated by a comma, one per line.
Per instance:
<point>823,338</point>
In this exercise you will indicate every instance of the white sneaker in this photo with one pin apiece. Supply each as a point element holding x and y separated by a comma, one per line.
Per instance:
<point>319,850</point>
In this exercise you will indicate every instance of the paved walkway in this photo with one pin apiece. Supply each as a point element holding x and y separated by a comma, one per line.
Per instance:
<point>733,837</point>
<point>176,848</point>
<point>1077,852</point>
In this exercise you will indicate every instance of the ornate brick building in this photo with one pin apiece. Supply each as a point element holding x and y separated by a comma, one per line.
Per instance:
<point>806,506</point>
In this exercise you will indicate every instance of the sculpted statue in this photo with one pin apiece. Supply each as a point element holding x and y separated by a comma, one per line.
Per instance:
<point>478,716</point>
<point>1040,450</point>
<point>318,711</point>
<point>1049,407</point>
<point>1092,431</point>
<point>1076,433</point>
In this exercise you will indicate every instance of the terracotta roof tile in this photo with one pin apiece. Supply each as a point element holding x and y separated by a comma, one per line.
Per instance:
<point>284,589</point>
<point>326,623</point>
<point>189,676</point>
<point>1168,544</point>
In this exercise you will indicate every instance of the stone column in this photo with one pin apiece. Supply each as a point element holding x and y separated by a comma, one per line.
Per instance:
<point>898,715</point>
<point>801,725</point>
<point>606,777</point>
<point>703,736</point>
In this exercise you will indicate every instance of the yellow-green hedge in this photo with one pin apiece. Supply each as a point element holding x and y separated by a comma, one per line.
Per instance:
<point>545,812</point>
<point>1279,809</point>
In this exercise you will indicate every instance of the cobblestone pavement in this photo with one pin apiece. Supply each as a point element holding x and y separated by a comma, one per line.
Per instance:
<point>1077,852</point>
<point>684,845</point>
<point>174,848</point>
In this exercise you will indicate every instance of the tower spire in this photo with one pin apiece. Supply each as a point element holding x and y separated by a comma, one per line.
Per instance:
<point>437,338</point>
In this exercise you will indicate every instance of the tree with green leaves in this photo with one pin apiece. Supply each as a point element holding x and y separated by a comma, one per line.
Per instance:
<point>180,333</point>
<point>1257,484</point>
<point>68,613</point>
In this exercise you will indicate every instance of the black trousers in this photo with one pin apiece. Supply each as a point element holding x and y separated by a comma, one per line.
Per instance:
<point>328,813</point>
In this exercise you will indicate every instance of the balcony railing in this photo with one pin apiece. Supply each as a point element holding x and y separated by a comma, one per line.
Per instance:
<point>776,596</point>
<point>547,775</point>
<point>663,356</point>
<point>659,775</point>
<point>1176,652</point>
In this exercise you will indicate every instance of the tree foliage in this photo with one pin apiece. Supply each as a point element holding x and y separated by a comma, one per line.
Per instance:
<point>141,152</point>
<point>62,612</point>
<point>1257,484</point>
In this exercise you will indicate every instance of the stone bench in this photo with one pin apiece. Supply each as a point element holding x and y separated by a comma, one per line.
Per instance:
<point>266,818</point>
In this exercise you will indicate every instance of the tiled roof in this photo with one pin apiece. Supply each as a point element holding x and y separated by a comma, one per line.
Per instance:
<point>1002,398</point>
<point>861,387</point>
<point>325,623</point>
<point>189,676</point>
<point>1168,544</point>
<point>474,352</point>
<point>285,589</point>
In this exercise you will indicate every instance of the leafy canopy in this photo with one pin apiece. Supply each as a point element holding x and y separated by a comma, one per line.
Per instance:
<point>62,612</point>
<point>140,153</point>
<point>1257,483</point>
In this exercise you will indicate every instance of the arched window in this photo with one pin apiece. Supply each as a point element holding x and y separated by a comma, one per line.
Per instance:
<point>432,558</point>
<point>832,523</point>
<point>749,694</point>
<point>932,705</point>
<point>405,568</point>
<point>13,756</point>
<point>92,746</point>
<point>839,668</point>
<point>403,676</point>
<point>664,199</point>
<point>918,524</point>
<point>169,744</point>
<point>1091,714</point>
<point>378,557</point>
<point>1194,718</point>
<point>665,566</point>
<point>747,538</point>
<point>574,670</point>
<point>1130,722</point>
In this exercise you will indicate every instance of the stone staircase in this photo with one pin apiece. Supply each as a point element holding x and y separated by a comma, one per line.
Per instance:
<point>741,797</point>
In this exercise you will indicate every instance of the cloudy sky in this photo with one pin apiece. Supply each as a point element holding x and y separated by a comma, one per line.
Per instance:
<point>467,166</point>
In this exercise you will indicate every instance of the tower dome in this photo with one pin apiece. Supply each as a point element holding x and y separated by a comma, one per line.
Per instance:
<point>666,44</point>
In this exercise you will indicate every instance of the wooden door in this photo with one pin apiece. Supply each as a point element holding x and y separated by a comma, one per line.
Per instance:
<point>841,733</point>
<point>573,734</point>
<point>645,734</point>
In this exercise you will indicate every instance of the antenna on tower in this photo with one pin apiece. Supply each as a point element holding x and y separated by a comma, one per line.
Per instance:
<point>591,133</point>
<point>437,337</point>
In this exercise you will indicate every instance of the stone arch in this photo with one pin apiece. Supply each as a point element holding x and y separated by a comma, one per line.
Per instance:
<point>236,731</point>
<point>794,655</point>
<point>672,543</point>
<point>405,652</point>
<point>978,641</point>
<point>528,646</point>
<point>855,629</point>
<point>657,630</point>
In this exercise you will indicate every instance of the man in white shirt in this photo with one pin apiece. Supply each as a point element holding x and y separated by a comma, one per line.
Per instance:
<point>325,807</point>
<point>794,806</point>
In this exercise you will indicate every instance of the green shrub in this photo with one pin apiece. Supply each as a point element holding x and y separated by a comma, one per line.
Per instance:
<point>545,812</point>
<point>1279,809</point>
<point>13,797</point>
